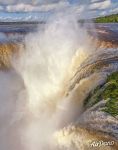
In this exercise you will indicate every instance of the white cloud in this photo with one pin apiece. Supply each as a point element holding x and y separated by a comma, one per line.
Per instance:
<point>114,10</point>
<point>83,8</point>
<point>21,7</point>
<point>100,4</point>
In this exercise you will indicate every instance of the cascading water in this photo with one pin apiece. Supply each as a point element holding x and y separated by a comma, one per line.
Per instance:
<point>46,65</point>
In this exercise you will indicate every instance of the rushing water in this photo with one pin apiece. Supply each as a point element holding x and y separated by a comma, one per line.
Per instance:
<point>42,96</point>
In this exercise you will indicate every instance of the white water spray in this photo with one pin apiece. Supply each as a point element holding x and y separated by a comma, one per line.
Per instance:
<point>49,60</point>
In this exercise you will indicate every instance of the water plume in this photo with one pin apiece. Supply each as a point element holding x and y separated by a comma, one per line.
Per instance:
<point>50,58</point>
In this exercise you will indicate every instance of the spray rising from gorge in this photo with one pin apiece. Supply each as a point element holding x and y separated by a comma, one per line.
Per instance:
<point>46,66</point>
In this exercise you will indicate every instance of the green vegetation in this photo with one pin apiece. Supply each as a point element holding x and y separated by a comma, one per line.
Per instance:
<point>111,93</point>
<point>107,19</point>
<point>104,19</point>
<point>108,92</point>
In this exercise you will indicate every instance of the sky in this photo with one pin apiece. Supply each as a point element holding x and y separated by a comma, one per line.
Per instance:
<point>42,9</point>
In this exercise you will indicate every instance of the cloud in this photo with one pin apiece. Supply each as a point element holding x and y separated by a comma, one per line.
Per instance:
<point>83,8</point>
<point>1,8</point>
<point>5,2</point>
<point>24,16</point>
<point>93,1</point>
<point>100,4</point>
<point>114,10</point>
<point>49,5</point>
<point>21,7</point>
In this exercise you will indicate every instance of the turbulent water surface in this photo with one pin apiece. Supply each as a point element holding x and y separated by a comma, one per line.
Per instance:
<point>53,86</point>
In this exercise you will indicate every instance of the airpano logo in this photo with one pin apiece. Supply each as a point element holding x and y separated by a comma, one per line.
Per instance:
<point>101,143</point>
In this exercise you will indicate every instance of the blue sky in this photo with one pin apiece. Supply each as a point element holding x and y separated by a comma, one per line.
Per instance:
<point>42,9</point>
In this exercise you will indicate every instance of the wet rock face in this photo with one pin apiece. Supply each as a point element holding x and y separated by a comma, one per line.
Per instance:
<point>7,50</point>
